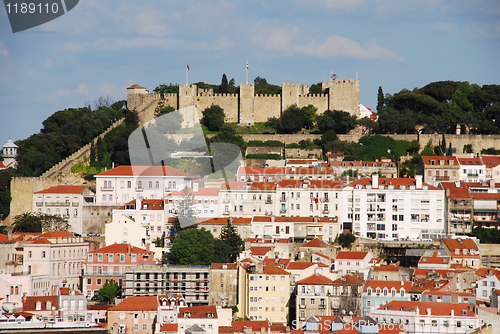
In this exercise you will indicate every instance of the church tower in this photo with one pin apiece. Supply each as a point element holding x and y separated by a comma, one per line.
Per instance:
<point>9,154</point>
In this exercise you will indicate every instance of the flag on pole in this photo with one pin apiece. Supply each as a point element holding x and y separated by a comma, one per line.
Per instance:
<point>247,65</point>
<point>188,67</point>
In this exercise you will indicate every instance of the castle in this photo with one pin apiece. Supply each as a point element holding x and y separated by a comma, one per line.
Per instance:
<point>247,108</point>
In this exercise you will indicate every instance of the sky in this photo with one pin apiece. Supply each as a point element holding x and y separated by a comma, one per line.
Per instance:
<point>100,48</point>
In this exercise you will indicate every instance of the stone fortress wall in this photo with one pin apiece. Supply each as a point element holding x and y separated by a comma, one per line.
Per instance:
<point>246,108</point>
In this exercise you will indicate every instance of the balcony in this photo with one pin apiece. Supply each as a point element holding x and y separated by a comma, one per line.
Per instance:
<point>326,212</point>
<point>322,307</point>
<point>75,204</point>
<point>107,188</point>
<point>66,216</point>
<point>56,203</point>
<point>226,200</point>
<point>283,199</point>
<point>442,178</point>
<point>269,213</point>
<point>472,174</point>
<point>269,201</point>
<point>302,306</point>
<point>139,189</point>
<point>326,200</point>
<point>283,211</point>
<point>39,203</point>
<point>226,213</point>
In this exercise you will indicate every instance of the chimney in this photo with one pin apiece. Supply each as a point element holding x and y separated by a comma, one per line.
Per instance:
<point>375,181</point>
<point>195,187</point>
<point>418,181</point>
<point>148,245</point>
<point>492,184</point>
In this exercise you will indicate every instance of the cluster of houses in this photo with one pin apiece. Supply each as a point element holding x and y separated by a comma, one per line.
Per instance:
<point>412,269</point>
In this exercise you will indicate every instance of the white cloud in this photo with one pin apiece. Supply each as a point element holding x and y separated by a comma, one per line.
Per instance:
<point>340,46</point>
<point>3,50</point>
<point>82,89</point>
<point>149,23</point>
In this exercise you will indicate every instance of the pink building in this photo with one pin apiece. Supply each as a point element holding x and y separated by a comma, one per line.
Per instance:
<point>110,263</point>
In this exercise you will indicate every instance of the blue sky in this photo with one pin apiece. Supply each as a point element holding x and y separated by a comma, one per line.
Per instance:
<point>101,47</point>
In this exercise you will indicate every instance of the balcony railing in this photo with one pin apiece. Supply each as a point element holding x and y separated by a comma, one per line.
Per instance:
<point>107,188</point>
<point>283,199</point>
<point>322,307</point>
<point>269,201</point>
<point>326,211</point>
<point>139,189</point>
<point>56,203</point>
<point>472,174</point>
<point>302,305</point>
<point>326,200</point>
<point>282,210</point>
<point>226,213</point>
<point>75,204</point>
<point>39,203</point>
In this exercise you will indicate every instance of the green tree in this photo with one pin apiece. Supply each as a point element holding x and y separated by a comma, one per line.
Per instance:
<point>293,119</point>
<point>191,246</point>
<point>27,222</point>
<point>166,89</point>
<point>345,239</point>
<point>230,236</point>
<point>339,121</point>
<point>213,118</point>
<point>380,99</point>
<point>224,85</point>
<point>221,251</point>
<point>315,89</point>
<point>109,291</point>
<point>3,229</point>
<point>309,114</point>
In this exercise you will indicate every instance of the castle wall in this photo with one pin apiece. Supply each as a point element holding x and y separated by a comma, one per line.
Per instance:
<point>246,104</point>
<point>266,106</point>
<point>228,102</point>
<point>344,95</point>
<point>320,101</point>
<point>290,92</point>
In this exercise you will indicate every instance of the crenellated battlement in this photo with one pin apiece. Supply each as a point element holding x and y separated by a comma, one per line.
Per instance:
<point>246,107</point>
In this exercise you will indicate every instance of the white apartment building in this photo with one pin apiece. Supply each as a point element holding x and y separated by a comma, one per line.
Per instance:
<point>246,199</point>
<point>59,255</point>
<point>138,222</point>
<point>306,197</point>
<point>393,208</point>
<point>472,170</point>
<point>205,201</point>
<point>125,183</point>
<point>64,201</point>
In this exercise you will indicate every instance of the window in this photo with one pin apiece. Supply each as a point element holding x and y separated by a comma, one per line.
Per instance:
<point>89,281</point>
<point>122,257</point>
<point>144,326</point>
<point>44,253</point>
<point>369,303</point>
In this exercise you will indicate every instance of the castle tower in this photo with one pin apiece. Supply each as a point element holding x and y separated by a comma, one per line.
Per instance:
<point>343,94</point>
<point>290,92</point>
<point>246,104</point>
<point>134,94</point>
<point>9,154</point>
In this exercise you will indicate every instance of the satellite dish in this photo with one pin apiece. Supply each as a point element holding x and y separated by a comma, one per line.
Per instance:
<point>5,309</point>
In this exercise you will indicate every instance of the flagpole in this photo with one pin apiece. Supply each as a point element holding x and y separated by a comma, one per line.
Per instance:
<point>187,74</point>
<point>247,73</point>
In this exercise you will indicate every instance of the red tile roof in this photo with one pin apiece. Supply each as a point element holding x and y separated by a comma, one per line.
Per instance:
<point>120,249</point>
<point>221,265</point>
<point>396,182</point>
<point>260,251</point>
<point>315,280</point>
<point>299,265</point>
<point>387,267</point>
<point>226,329</point>
<point>447,161</point>
<point>435,258</point>
<point>494,196</point>
<point>136,86</point>
<point>241,221</point>
<point>315,243</point>
<point>137,303</point>
<point>30,302</point>
<point>436,308</point>
<point>169,328</point>
<point>273,269</point>
<point>456,192</point>
<point>294,219</point>
<point>461,244</point>
<point>215,221</point>
<point>67,291</point>
<point>311,184</point>
<point>261,219</point>
<point>62,190</point>
<point>41,241</point>
<point>143,171</point>
<point>345,255</point>
<point>198,312</point>
<point>4,238</point>
<point>348,280</point>
<point>255,325</point>
<point>57,234</point>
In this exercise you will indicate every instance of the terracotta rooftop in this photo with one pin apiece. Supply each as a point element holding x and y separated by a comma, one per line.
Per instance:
<point>62,190</point>
<point>41,241</point>
<point>260,251</point>
<point>435,258</point>
<point>457,190</point>
<point>439,160</point>
<point>255,325</point>
<point>261,219</point>
<point>386,267</point>
<point>30,302</point>
<point>299,265</point>
<point>462,244</point>
<point>348,280</point>
<point>311,184</point>
<point>136,86</point>
<point>57,234</point>
<point>198,312</point>
<point>143,171</point>
<point>223,265</point>
<point>436,308</point>
<point>273,269</point>
<point>345,255</point>
<point>117,248</point>
<point>315,280</point>
<point>315,243</point>
<point>398,183</point>
<point>137,303</point>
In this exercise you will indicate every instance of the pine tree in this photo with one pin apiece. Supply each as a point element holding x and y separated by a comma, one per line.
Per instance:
<point>231,237</point>
<point>224,85</point>
<point>380,99</point>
